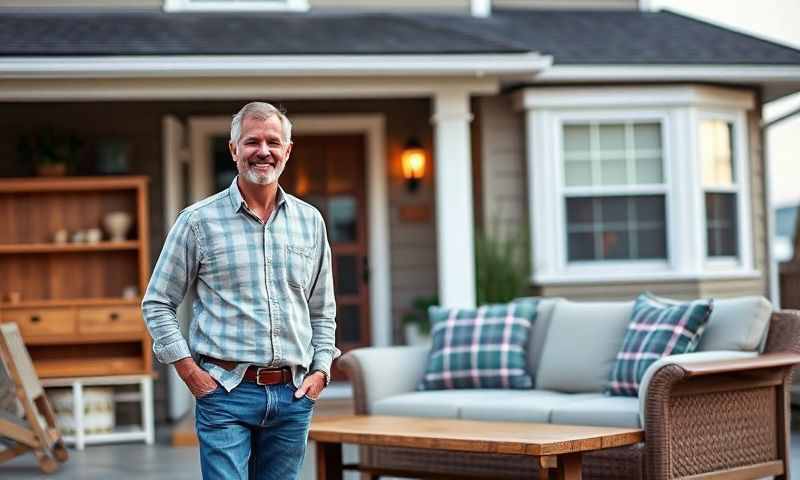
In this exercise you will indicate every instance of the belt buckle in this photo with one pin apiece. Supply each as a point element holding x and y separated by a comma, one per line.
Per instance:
<point>258,376</point>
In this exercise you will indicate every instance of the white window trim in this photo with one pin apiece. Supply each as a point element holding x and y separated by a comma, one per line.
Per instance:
<point>562,191</point>
<point>679,110</point>
<point>741,173</point>
<point>236,5</point>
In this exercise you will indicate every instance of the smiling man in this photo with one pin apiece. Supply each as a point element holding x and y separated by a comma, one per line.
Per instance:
<point>261,338</point>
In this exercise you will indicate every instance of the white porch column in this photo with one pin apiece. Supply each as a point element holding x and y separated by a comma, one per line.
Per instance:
<point>454,218</point>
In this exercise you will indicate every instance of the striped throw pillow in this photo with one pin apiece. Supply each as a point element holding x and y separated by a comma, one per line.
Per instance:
<point>480,348</point>
<point>658,328</point>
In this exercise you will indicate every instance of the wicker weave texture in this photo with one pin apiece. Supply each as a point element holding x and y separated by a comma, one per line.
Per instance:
<point>725,430</point>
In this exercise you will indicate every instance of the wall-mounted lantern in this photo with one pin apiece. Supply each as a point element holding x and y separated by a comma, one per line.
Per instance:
<point>413,162</point>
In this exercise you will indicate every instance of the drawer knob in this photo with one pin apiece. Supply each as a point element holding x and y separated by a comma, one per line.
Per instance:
<point>35,318</point>
<point>114,316</point>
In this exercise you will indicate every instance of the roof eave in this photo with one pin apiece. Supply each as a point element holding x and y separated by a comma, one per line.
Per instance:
<point>776,80</point>
<point>171,66</point>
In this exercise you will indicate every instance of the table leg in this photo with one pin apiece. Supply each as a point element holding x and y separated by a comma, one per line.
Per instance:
<point>329,461</point>
<point>547,464</point>
<point>569,466</point>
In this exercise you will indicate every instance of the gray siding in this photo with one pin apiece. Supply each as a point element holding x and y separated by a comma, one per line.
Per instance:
<point>503,168</point>
<point>567,4</point>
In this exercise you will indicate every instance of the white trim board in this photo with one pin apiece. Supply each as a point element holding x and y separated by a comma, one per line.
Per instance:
<point>373,128</point>
<point>666,73</point>
<point>130,66</point>
<point>236,5</point>
<point>224,88</point>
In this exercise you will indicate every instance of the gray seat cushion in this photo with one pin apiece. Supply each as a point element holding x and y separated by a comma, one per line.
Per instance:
<point>435,403</point>
<point>737,324</point>
<point>602,411</point>
<point>517,406</point>
<point>581,345</point>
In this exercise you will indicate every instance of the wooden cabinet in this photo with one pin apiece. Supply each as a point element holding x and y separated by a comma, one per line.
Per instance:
<point>76,302</point>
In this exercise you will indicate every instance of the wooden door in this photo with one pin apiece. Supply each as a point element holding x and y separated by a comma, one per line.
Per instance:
<point>328,172</point>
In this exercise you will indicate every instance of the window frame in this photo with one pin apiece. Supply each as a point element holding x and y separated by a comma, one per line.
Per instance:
<point>562,191</point>
<point>678,108</point>
<point>236,5</point>
<point>741,173</point>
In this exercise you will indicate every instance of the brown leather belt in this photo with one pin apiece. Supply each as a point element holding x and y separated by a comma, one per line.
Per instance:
<point>259,375</point>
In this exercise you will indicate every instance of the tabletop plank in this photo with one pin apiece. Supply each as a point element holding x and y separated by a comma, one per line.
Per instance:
<point>519,438</point>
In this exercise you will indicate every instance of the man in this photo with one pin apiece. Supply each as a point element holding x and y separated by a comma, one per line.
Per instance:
<point>261,338</point>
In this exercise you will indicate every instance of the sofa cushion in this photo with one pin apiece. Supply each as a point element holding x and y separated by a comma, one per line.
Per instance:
<point>581,344</point>
<point>517,405</point>
<point>544,314</point>
<point>479,348</point>
<point>657,329</point>
<point>439,403</point>
<point>737,324</point>
<point>603,411</point>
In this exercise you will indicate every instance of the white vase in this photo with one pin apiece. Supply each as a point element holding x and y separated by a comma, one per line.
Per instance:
<point>117,225</point>
<point>414,337</point>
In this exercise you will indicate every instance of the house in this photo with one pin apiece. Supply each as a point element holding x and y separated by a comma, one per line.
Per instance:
<point>626,141</point>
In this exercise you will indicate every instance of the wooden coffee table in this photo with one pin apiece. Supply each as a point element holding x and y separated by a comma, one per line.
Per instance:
<point>558,447</point>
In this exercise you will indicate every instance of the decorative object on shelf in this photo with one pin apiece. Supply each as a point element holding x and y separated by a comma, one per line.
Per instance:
<point>13,297</point>
<point>94,235</point>
<point>117,225</point>
<point>413,163</point>
<point>112,156</point>
<point>52,153</point>
<point>61,236</point>
<point>130,292</point>
<point>78,236</point>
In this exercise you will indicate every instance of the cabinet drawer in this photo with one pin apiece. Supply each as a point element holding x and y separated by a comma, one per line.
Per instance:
<point>42,321</point>
<point>110,319</point>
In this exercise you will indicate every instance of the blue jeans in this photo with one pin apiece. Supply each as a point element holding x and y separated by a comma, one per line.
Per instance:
<point>252,432</point>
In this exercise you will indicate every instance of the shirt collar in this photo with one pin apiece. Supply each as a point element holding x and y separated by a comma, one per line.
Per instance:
<point>237,200</point>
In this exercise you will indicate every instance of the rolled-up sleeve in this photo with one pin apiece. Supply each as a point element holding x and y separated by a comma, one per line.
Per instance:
<point>322,307</point>
<point>174,273</point>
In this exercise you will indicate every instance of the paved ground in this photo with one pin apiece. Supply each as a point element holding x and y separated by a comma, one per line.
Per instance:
<point>141,462</point>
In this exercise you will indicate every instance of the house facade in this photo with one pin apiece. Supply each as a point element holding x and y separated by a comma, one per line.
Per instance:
<point>625,142</point>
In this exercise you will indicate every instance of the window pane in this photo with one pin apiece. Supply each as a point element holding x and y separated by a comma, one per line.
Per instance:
<point>576,138</point>
<point>649,170</point>
<point>347,275</point>
<point>581,246</point>
<point>614,172</point>
<point>616,228</point>
<point>611,137</point>
<point>721,225</point>
<point>717,153</point>
<point>342,219</point>
<point>652,243</point>
<point>604,154</point>
<point>578,173</point>
<point>647,136</point>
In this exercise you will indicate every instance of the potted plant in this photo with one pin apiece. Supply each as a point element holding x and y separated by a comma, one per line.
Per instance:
<point>416,323</point>
<point>51,153</point>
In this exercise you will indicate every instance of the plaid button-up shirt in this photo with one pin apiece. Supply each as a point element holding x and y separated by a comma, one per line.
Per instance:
<point>263,292</point>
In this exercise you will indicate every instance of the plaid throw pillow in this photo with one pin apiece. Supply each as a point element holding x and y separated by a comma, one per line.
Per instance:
<point>658,328</point>
<point>479,348</point>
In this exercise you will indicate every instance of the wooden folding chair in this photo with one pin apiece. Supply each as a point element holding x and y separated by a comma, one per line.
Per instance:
<point>32,432</point>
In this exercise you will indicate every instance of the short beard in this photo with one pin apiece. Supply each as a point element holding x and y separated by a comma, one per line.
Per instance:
<point>267,179</point>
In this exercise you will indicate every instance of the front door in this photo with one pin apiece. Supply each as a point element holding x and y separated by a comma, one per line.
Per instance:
<point>327,171</point>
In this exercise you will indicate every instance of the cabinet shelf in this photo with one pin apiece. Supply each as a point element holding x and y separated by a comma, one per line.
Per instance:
<point>16,248</point>
<point>72,302</point>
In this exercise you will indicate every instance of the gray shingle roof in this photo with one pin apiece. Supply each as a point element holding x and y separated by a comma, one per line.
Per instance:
<point>572,37</point>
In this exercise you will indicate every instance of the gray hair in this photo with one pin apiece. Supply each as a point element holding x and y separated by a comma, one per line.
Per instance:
<point>262,111</point>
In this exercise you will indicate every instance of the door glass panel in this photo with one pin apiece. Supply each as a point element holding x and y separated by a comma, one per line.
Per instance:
<point>224,168</point>
<point>348,322</point>
<point>342,218</point>
<point>347,275</point>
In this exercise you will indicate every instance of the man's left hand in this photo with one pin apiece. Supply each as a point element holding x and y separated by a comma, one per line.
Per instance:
<point>312,386</point>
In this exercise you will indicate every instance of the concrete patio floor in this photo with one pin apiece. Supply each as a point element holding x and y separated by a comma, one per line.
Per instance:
<point>136,461</point>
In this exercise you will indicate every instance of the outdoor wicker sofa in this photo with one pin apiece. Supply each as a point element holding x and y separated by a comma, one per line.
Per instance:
<point>724,408</point>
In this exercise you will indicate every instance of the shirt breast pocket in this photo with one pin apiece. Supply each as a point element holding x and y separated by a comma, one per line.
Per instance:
<point>299,263</point>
